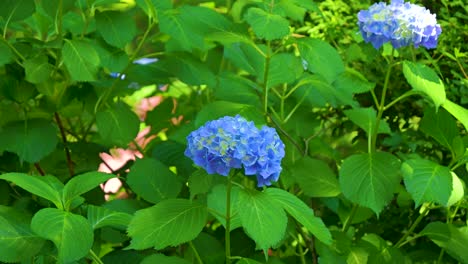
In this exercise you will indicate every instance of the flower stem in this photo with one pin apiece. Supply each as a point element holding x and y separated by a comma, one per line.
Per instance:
<point>349,220</point>
<point>195,252</point>
<point>95,257</point>
<point>227,236</point>
<point>265,78</point>
<point>413,226</point>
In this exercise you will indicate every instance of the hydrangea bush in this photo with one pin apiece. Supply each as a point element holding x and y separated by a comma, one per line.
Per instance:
<point>272,136</point>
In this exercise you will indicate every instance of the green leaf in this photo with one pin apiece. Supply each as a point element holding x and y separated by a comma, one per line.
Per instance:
<point>6,55</point>
<point>81,59</point>
<point>81,184</point>
<point>458,190</point>
<point>38,185</point>
<point>351,82</point>
<point>153,181</point>
<point>236,89</point>
<point>316,91</point>
<point>284,68</point>
<point>427,181</point>
<point>441,126</point>
<point>72,234</point>
<point>366,119</point>
<point>31,140</point>
<point>100,217</point>
<point>38,69</point>
<point>209,248</point>
<point>262,218</point>
<point>370,179</point>
<point>169,223</point>
<point>459,112</point>
<point>171,153</point>
<point>247,57</point>
<point>321,58</point>
<point>118,125</point>
<point>219,109</point>
<point>301,212</point>
<point>247,261</point>
<point>265,25</point>
<point>216,201</point>
<point>113,59</point>
<point>160,258</point>
<point>14,10</point>
<point>315,178</point>
<point>357,256</point>
<point>17,242</point>
<point>424,79</point>
<point>450,238</point>
<point>200,182</point>
<point>191,71</point>
<point>117,28</point>
<point>380,251</point>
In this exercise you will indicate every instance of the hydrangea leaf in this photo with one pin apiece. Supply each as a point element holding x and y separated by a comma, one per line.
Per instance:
<point>217,201</point>
<point>153,181</point>
<point>14,10</point>
<point>37,69</point>
<point>284,68</point>
<point>321,58</point>
<point>81,60</point>
<point>83,183</point>
<point>449,237</point>
<point>160,258</point>
<point>31,140</point>
<point>118,125</point>
<point>423,79</point>
<point>117,28</point>
<point>100,217</point>
<point>72,234</point>
<point>17,241</point>
<point>366,119</point>
<point>263,219</point>
<point>169,223</point>
<point>247,57</point>
<point>427,181</point>
<point>370,179</point>
<point>6,55</point>
<point>459,112</point>
<point>265,25</point>
<point>302,213</point>
<point>441,126</point>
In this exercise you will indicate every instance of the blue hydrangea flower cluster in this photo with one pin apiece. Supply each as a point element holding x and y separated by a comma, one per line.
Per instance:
<point>400,23</point>
<point>232,143</point>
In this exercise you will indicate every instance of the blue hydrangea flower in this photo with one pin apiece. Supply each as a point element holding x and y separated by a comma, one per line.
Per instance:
<point>400,23</point>
<point>234,143</point>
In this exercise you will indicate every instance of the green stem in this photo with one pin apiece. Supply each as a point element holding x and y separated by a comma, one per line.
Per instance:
<point>412,227</point>
<point>441,256</point>
<point>265,78</point>
<point>349,220</point>
<point>401,97</point>
<point>95,257</point>
<point>195,252</point>
<point>301,253</point>
<point>228,218</point>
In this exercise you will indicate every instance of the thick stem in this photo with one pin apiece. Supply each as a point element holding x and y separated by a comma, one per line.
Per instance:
<point>265,79</point>
<point>349,220</point>
<point>228,218</point>
<point>95,257</point>
<point>412,227</point>
<point>65,144</point>
<point>39,169</point>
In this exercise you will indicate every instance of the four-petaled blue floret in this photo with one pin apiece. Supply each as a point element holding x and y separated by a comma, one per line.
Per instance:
<point>234,143</point>
<point>399,23</point>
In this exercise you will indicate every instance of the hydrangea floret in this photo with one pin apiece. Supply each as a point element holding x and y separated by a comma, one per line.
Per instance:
<point>400,23</point>
<point>235,143</point>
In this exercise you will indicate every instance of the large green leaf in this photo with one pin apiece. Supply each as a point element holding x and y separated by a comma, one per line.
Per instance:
<point>117,28</point>
<point>37,69</point>
<point>351,82</point>
<point>160,258</point>
<point>441,126</point>
<point>100,217</point>
<point>370,179</point>
<point>14,10</point>
<point>153,181</point>
<point>321,58</point>
<point>315,178</point>
<point>301,212</point>
<point>366,119</point>
<point>17,241</point>
<point>118,125</point>
<point>284,68</point>
<point>247,57</point>
<point>459,112</point>
<point>450,238</point>
<point>72,234</point>
<point>380,251</point>
<point>200,182</point>
<point>31,140</point>
<point>262,218</point>
<point>427,181</point>
<point>38,185</point>
<point>424,79</point>
<point>169,223</point>
<point>216,201</point>
<point>81,184</point>
<point>192,71</point>
<point>81,59</point>
<point>266,25</point>
<point>236,89</point>
<point>6,55</point>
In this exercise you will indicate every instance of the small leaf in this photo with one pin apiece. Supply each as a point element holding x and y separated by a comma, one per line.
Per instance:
<point>245,90</point>
<point>460,113</point>
<point>72,234</point>
<point>366,119</point>
<point>357,256</point>
<point>352,82</point>
<point>153,181</point>
<point>14,10</point>
<point>118,125</point>
<point>315,178</point>
<point>160,258</point>
<point>427,181</point>
<point>169,223</point>
<point>247,57</point>
<point>31,140</point>
<point>216,201</point>
<point>117,28</point>
<point>370,179</point>
<point>17,242</point>
<point>424,79</point>
<point>100,217</point>
<point>301,212</point>
<point>83,183</point>
<point>6,55</point>
<point>37,69</point>
<point>458,190</point>
<point>284,68</point>
<point>262,218</point>
<point>441,126</point>
<point>81,59</point>
<point>265,25</point>
<point>321,58</point>
<point>450,238</point>
<point>38,185</point>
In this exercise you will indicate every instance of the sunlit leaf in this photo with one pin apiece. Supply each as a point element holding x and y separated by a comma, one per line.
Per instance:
<point>452,239</point>
<point>81,59</point>
<point>266,25</point>
<point>99,217</point>
<point>117,28</point>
